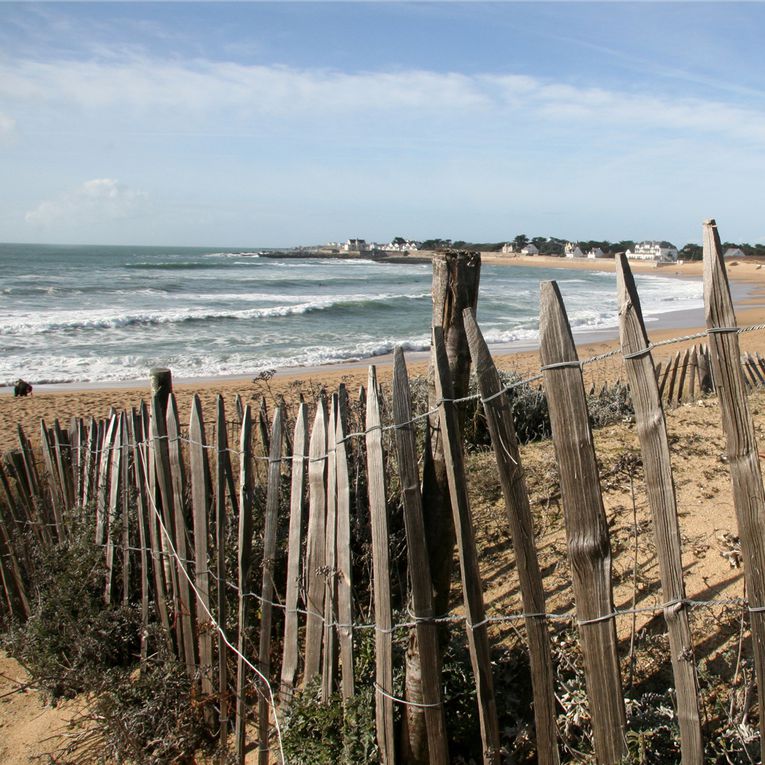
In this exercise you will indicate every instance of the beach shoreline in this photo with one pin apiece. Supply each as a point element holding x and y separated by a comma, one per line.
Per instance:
<point>63,401</point>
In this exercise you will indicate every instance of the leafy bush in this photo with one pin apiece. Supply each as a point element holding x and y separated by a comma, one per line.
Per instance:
<point>72,637</point>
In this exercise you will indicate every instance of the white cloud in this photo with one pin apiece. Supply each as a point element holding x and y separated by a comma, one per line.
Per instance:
<point>7,127</point>
<point>209,90</point>
<point>93,202</point>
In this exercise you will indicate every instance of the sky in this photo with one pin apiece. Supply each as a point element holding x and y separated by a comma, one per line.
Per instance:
<point>277,124</point>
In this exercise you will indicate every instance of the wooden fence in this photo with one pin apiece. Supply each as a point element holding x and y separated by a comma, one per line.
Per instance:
<point>165,498</point>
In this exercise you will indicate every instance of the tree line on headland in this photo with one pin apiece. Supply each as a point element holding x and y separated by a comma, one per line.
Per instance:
<point>554,246</point>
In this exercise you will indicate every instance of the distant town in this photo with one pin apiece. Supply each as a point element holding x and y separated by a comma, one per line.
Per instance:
<point>659,251</point>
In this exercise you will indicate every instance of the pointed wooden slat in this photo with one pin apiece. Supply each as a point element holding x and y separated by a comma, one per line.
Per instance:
<point>665,378</point>
<point>112,514</point>
<point>268,587</point>
<point>222,470</point>
<point>294,546</point>
<point>419,567</point>
<point>683,374</point>
<point>201,505</point>
<point>757,375</point>
<point>54,480</point>
<point>344,580</point>
<point>706,384</point>
<point>164,482</point>
<point>654,446</point>
<point>244,559</point>
<point>586,527</point>
<point>102,490</point>
<point>673,378</point>
<point>378,511</point>
<point>64,464</point>
<point>499,418</point>
<point>153,517</point>
<point>315,560</point>
<point>89,478</point>
<point>186,600</point>
<point>693,372</point>
<point>329,648</point>
<point>126,522</point>
<point>472,587</point>
<point>741,443</point>
<point>135,428</point>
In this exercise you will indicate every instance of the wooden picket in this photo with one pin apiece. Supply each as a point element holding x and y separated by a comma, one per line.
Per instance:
<point>586,526</point>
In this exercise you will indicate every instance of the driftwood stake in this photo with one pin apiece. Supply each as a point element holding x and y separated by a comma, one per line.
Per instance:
<point>586,527</point>
<point>654,446</point>
<point>472,588</point>
<point>378,511</point>
<point>743,456</point>
<point>499,418</point>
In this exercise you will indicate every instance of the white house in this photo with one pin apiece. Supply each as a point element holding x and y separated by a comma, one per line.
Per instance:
<point>530,249</point>
<point>572,250</point>
<point>734,252</point>
<point>508,248</point>
<point>355,245</point>
<point>596,253</point>
<point>660,252</point>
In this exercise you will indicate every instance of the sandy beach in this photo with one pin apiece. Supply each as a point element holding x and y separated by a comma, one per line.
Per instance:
<point>66,401</point>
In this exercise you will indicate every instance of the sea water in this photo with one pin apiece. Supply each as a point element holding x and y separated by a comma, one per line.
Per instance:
<point>103,314</point>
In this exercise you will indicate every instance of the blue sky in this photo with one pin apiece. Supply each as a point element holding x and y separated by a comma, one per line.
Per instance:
<point>268,124</point>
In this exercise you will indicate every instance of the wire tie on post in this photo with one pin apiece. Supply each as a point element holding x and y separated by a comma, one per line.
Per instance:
<point>595,620</point>
<point>638,354</point>
<point>404,701</point>
<point>562,365</point>
<point>722,330</point>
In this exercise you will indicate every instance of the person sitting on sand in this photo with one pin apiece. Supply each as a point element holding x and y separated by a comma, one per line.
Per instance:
<point>22,388</point>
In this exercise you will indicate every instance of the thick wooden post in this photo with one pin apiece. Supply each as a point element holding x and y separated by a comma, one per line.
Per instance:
<point>742,451</point>
<point>161,386</point>
<point>472,587</point>
<point>427,694</point>
<point>586,527</point>
<point>654,446</point>
<point>499,418</point>
<point>378,511</point>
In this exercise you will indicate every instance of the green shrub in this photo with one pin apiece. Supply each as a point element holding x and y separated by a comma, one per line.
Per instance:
<point>72,637</point>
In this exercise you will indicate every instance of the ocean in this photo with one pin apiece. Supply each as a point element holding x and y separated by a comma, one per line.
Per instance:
<point>90,314</point>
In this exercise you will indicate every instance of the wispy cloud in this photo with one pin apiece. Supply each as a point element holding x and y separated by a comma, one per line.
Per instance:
<point>7,128</point>
<point>201,89</point>
<point>93,202</point>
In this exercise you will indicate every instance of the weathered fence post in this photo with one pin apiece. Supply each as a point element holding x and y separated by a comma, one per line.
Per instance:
<point>201,502</point>
<point>186,603</point>
<point>244,559</point>
<point>378,511</point>
<point>586,527</point>
<point>472,587</point>
<point>654,446</point>
<point>317,520</point>
<point>742,452</point>
<point>499,418</point>
<point>329,650</point>
<point>343,560</point>
<point>268,587</point>
<point>297,503</point>
<point>426,695</point>
<point>222,472</point>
